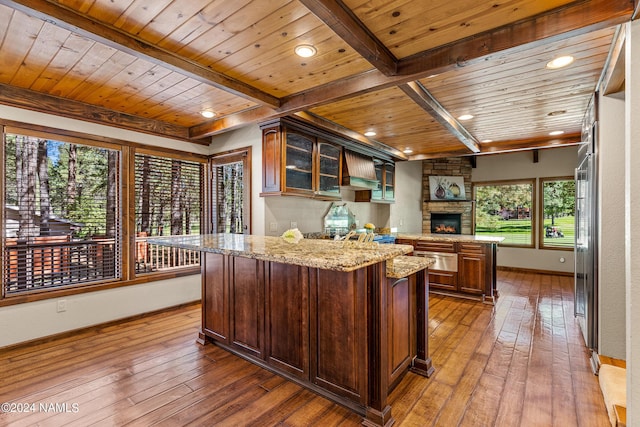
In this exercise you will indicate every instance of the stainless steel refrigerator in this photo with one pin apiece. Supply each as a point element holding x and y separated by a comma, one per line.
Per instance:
<point>586,227</point>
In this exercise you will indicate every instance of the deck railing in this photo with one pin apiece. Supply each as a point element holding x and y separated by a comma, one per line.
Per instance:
<point>55,261</point>
<point>151,257</point>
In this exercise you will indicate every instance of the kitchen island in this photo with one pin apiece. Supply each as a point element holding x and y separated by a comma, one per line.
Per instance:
<point>465,264</point>
<point>346,321</point>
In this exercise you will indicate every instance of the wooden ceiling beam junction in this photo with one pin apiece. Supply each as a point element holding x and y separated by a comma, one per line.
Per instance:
<point>578,17</point>
<point>564,22</point>
<point>421,96</point>
<point>349,28</point>
<point>113,37</point>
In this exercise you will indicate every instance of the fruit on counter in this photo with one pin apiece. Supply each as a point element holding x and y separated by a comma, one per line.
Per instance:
<point>369,226</point>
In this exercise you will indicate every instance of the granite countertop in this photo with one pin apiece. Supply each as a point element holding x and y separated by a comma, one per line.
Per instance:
<point>464,238</point>
<point>404,266</point>
<point>324,254</point>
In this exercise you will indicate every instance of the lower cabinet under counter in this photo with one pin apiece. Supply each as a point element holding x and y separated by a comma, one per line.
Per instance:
<point>473,274</point>
<point>348,336</point>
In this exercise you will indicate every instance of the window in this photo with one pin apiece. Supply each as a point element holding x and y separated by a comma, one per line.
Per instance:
<point>231,191</point>
<point>61,213</point>
<point>505,209</point>
<point>558,213</point>
<point>167,202</point>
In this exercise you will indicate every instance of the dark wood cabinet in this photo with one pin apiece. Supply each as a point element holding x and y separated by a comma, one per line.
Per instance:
<point>246,305</point>
<point>297,162</point>
<point>401,292</point>
<point>470,267</point>
<point>349,336</point>
<point>287,314</point>
<point>385,190</point>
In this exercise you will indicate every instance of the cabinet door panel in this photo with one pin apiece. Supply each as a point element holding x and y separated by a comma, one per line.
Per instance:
<point>271,160</point>
<point>288,318</point>
<point>339,332</point>
<point>215,298</point>
<point>299,168</point>
<point>247,304</point>
<point>400,326</point>
<point>472,273</point>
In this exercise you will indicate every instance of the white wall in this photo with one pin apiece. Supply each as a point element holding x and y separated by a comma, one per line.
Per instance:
<point>23,322</point>
<point>552,162</point>
<point>611,263</point>
<point>632,220</point>
<point>406,213</point>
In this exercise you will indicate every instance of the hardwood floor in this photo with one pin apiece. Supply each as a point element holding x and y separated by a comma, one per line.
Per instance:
<point>520,363</point>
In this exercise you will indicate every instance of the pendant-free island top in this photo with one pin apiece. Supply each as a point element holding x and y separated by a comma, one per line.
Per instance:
<point>315,253</point>
<point>343,320</point>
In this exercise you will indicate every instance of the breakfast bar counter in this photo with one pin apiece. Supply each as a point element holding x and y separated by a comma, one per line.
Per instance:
<point>344,320</point>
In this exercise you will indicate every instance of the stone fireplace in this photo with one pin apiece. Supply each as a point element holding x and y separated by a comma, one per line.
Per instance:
<point>454,166</point>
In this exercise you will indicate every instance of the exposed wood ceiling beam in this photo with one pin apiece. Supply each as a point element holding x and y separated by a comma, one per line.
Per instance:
<point>30,100</point>
<point>421,96</point>
<point>349,28</point>
<point>500,147</point>
<point>574,19</point>
<point>613,76</point>
<point>235,121</point>
<point>528,144</point>
<point>579,17</point>
<point>111,36</point>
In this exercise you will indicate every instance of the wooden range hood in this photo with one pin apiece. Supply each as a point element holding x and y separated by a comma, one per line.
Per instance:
<point>358,172</point>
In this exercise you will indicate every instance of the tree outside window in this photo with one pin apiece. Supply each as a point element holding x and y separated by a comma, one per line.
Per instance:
<point>167,202</point>
<point>61,213</point>
<point>558,213</point>
<point>505,209</point>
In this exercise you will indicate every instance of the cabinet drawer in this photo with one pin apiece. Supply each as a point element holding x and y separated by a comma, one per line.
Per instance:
<point>435,246</point>
<point>471,248</point>
<point>406,242</point>
<point>446,280</point>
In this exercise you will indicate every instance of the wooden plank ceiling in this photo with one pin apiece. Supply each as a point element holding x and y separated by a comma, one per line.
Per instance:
<point>401,68</point>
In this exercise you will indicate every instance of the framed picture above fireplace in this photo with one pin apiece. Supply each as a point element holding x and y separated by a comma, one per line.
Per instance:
<point>446,188</point>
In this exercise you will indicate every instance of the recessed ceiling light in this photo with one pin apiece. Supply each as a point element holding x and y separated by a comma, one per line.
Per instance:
<point>559,62</point>
<point>407,150</point>
<point>465,117</point>
<point>370,133</point>
<point>207,113</point>
<point>487,140</point>
<point>556,132</point>
<point>305,50</point>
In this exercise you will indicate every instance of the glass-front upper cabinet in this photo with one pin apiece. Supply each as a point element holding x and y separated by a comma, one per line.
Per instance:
<point>389,182</point>
<point>385,189</point>
<point>378,192</point>
<point>299,162</point>
<point>328,168</point>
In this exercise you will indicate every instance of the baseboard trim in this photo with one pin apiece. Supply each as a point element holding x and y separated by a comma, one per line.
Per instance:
<point>45,339</point>
<point>535,271</point>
